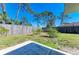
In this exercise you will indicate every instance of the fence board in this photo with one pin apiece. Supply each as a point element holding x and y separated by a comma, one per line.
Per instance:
<point>17,29</point>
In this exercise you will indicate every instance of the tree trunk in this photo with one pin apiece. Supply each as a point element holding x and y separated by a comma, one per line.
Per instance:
<point>62,18</point>
<point>4,11</point>
<point>18,11</point>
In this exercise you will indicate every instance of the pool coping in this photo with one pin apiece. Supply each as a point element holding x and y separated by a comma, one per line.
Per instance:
<point>9,49</point>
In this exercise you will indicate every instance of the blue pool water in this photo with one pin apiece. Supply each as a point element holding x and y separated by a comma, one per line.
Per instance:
<point>34,49</point>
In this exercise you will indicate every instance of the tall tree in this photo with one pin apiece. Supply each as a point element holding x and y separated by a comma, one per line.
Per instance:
<point>24,20</point>
<point>4,15</point>
<point>37,18</point>
<point>24,6</point>
<point>63,17</point>
<point>36,15</point>
<point>29,9</point>
<point>17,13</point>
<point>49,18</point>
<point>1,18</point>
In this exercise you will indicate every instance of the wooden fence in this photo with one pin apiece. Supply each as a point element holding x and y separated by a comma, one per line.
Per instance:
<point>17,29</point>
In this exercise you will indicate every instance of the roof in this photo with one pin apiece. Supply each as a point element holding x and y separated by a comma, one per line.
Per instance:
<point>71,24</point>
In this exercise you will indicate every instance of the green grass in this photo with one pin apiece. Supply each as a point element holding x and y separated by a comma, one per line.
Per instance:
<point>71,40</point>
<point>7,41</point>
<point>49,43</point>
<point>11,40</point>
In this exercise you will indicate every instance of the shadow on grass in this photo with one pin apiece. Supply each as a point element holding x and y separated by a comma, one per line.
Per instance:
<point>46,36</point>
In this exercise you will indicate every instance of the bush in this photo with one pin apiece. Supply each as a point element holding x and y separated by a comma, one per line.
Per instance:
<point>38,31</point>
<point>52,32</point>
<point>3,30</point>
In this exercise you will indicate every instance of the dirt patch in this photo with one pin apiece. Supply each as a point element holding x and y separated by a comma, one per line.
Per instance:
<point>73,51</point>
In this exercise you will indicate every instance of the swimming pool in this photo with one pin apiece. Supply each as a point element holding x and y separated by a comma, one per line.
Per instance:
<point>34,48</point>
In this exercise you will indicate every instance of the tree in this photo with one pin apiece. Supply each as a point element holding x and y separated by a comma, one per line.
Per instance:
<point>17,13</point>
<point>24,6</point>
<point>49,18</point>
<point>1,18</point>
<point>63,17</point>
<point>29,9</point>
<point>4,15</point>
<point>17,22</point>
<point>37,17</point>
<point>24,20</point>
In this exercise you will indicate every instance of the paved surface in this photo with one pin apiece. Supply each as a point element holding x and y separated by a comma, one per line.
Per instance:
<point>34,49</point>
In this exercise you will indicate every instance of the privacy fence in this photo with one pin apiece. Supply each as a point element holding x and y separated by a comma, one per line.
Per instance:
<point>17,29</point>
<point>68,29</point>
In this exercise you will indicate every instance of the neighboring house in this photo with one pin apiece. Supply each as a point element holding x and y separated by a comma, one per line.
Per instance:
<point>69,28</point>
<point>71,24</point>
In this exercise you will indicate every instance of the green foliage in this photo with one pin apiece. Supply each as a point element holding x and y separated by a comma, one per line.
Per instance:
<point>33,31</point>
<point>70,40</point>
<point>17,22</point>
<point>38,31</point>
<point>46,42</point>
<point>3,30</point>
<point>0,21</point>
<point>52,32</point>
<point>4,16</point>
<point>29,25</point>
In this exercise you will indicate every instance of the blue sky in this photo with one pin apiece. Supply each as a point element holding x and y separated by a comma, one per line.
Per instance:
<point>56,8</point>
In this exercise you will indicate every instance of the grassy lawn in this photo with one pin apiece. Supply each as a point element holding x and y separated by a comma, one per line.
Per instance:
<point>7,41</point>
<point>71,40</point>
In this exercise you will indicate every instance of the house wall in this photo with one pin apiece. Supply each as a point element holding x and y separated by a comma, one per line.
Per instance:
<point>69,29</point>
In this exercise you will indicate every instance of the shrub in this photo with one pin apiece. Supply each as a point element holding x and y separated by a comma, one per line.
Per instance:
<point>38,31</point>
<point>3,30</point>
<point>52,32</point>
